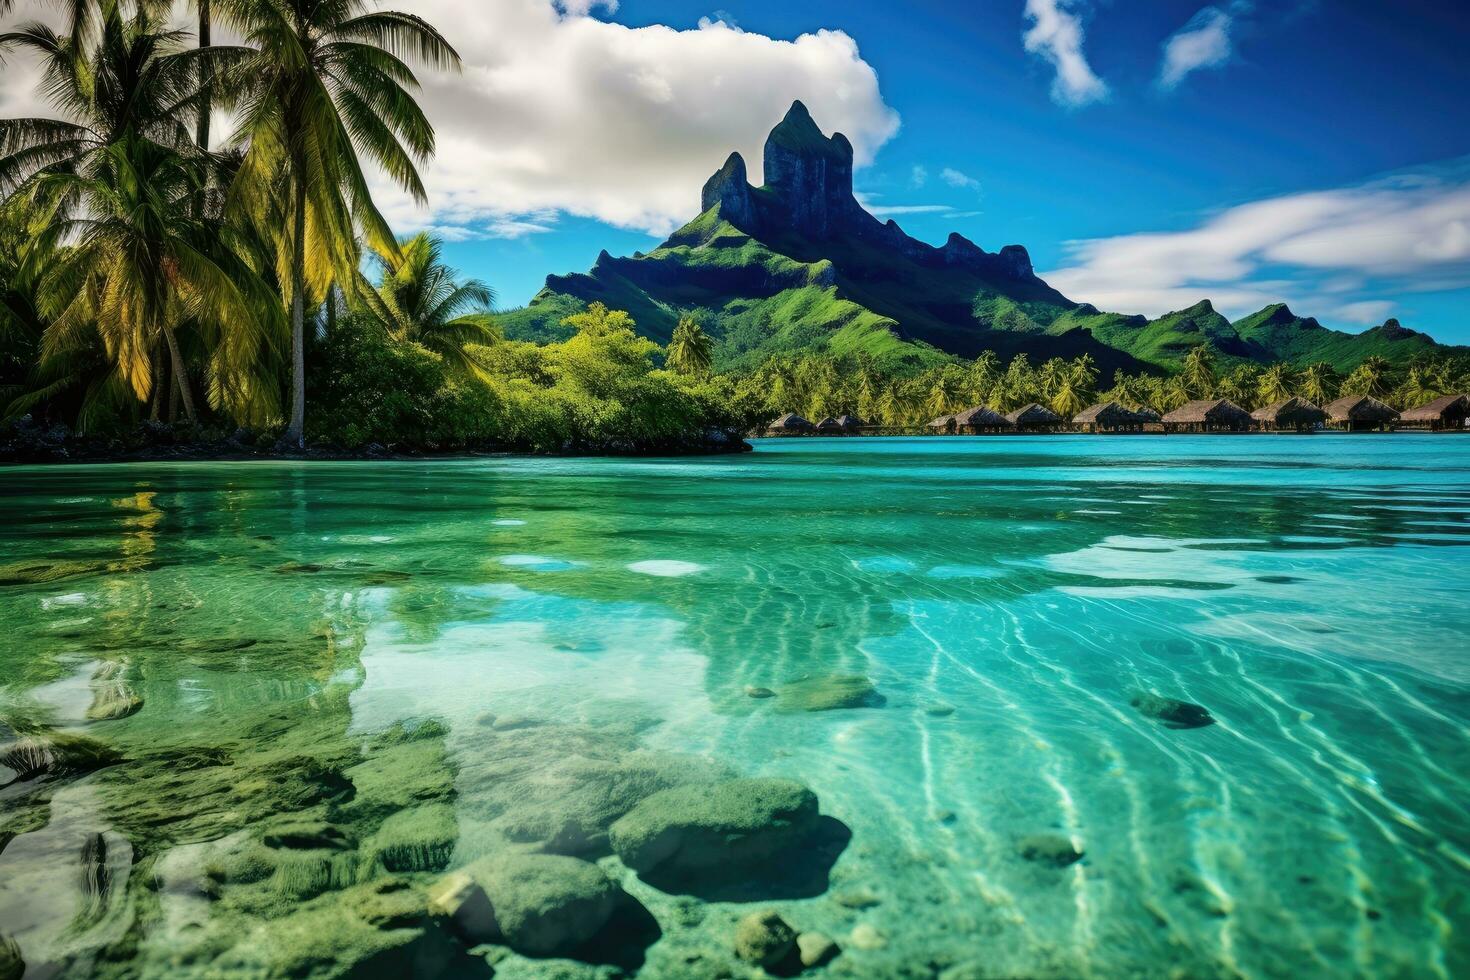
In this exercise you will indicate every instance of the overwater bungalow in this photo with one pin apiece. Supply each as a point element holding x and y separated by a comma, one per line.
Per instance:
<point>981,419</point>
<point>790,424</point>
<point>945,423</point>
<point>1108,417</point>
<point>849,423</point>
<point>1208,415</point>
<point>1150,420</point>
<point>1035,418</point>
<point>829,427</point>
<point>1448,412</point>
<point>1361,413</point>
<point>1289,415</point>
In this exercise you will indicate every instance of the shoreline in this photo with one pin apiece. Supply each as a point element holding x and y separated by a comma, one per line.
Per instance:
<point>32,445</point>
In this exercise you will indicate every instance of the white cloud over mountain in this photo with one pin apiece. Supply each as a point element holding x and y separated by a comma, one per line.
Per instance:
<point>557,111</point>
<point>1056,34</point>
<point>1410,231</point>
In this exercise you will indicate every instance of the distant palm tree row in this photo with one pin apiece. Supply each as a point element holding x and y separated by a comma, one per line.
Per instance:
<point>821,385</point>
<point>148,266</point>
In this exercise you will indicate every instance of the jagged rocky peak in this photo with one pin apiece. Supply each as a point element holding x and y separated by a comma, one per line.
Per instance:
<point>810,175</point>
<point>1392,329</point>
<point>730,189</point>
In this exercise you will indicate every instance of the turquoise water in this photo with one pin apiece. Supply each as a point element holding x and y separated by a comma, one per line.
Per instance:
<point>488,639</point>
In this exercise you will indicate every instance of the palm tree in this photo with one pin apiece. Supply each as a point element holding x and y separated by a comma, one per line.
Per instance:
<point>690,349</point>
<point>1068,401</point>
<point>1199,372</point>
<point>141,264</point>
<point>1319,382</point>
<point>124,89</point>
<point>421,301</point>
<point>1274,384</point>
<point>328,83</point>
<point>1369,378</point>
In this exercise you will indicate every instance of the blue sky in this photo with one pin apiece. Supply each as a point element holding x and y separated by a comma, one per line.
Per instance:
<point>1313,152</point>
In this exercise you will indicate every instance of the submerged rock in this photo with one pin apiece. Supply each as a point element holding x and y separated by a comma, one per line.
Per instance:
<point>857,898</point>
<point>12,967</point>
<point>759,692</point>
<point>694,829</point>
<point>764,938</point>
<point>1056,850</point>
<point>1171,712</point>
<point>55,754</point>
<point>568,807</point>
<point>418,839</point>
<point>816,949</point>
<point>828,693</point>
<point>41,571</point>
<point>539,904</point>
<point>867,936</point>
<point>113,701</point>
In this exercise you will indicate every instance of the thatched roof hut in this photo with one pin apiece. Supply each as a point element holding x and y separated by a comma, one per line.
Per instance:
<point>1147,415</point>
<point>981,419</point>
<point>829,425</point>
<point>1034,416</point>
<point>790,424</point>
<point>1208,415</point>
<point>849,423</point>
<point>1445,412</point>
<point>945,423</point>
<point>1107,417</point>
<point>1290,413</point>
<point>1361,413</point>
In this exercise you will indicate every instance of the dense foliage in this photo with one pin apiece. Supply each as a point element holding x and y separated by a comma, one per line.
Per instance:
<point>819,385</point>
<point>147,276</point>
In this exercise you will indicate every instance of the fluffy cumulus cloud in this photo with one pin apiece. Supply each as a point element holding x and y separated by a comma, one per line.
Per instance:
<point>1327,251</point>
<point>560,112</point>
<point>1204,42</point>
<point>1056,34</point>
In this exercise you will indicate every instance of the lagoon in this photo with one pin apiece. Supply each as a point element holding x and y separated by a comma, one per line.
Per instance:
<point>253,712</point>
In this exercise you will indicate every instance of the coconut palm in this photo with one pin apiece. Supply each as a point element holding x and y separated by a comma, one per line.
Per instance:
<point>1274,384</point>
<point>1199,372</point>
<point>690,348</point>
<point>1319,382</point>
<point>131,76</point>
<point>1369,378</point>
<point>421,301</point>
<point>123,90</point>
<point>140,264</point>
<point>328,86</point>
<point>1068,401</point>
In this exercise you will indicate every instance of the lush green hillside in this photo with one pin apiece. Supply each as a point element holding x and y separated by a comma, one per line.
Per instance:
<point>798,266</point>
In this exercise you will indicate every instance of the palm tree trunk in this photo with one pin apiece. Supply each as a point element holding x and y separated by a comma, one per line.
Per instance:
<point>181,378</point>
<point>160,384</point>
<point>295,433</point>
<point>201,125</point>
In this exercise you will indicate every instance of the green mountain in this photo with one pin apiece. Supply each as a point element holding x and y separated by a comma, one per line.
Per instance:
<point>798,264</point>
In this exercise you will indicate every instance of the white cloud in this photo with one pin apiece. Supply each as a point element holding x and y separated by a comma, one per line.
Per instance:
<point>1204,42</point>
<point>920,176</point>
<point>956,178</point>
<point>1365,313</point>
<point>1056,34</point>
<point>890,210</point>
<point>561,112</point>
<point>557,111</point>
<point>1319,247</point>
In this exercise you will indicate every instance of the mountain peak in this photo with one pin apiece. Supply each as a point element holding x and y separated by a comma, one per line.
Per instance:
<point>810,174</point>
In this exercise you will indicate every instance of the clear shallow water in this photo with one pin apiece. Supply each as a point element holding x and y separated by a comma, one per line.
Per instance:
<point>277,620</point>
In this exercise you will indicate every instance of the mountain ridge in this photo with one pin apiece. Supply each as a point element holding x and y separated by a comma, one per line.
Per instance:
<point>799,264</point>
